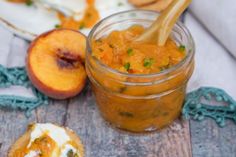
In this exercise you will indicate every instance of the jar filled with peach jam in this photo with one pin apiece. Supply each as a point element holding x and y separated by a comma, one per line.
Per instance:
<point>135,92</point>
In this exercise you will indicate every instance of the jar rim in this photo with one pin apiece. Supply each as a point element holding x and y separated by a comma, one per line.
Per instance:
<point>189,56</point>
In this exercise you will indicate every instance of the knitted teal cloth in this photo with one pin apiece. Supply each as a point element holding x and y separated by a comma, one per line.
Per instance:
<point>17,77</point>
<point>210,102</point>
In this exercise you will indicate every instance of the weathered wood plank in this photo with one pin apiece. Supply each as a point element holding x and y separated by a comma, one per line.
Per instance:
<point>102,140</point>
<point>13,125</point>
<point>55,112</point>
<point>208,140</point>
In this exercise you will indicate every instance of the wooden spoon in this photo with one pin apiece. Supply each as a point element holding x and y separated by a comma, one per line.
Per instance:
<point>160,30</point>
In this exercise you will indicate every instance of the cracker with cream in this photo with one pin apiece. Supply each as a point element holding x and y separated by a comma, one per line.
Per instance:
<point>47,140</point>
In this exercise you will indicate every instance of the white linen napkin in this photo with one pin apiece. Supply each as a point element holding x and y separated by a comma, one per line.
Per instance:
<point>219,17</point>
<point>12,53</point>
<point>214,66</point>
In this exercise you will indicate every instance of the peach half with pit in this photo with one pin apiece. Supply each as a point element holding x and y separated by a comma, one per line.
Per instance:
<point>55,63</point>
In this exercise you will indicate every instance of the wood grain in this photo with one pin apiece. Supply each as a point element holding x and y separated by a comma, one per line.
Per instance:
<point>208,140</point>
<point>55,112</point>
<point>13,125</point>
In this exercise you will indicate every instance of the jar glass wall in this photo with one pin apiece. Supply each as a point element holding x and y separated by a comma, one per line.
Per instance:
<point>139,102</point>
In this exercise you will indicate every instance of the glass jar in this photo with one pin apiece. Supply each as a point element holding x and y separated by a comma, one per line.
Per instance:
<point>139,102</point>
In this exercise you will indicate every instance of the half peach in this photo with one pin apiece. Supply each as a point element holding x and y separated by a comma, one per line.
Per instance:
<point>55,63</point>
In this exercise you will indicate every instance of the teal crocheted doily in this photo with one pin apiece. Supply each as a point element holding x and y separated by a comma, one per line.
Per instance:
<point>17,77</point>
<point>210,102</point>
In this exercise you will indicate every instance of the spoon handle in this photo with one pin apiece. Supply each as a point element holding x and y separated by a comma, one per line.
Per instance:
<point>160,30</point>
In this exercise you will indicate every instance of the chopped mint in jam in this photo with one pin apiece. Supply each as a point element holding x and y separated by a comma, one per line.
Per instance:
<point>88,15</point>
<point>57,26</point>
<point>130,52</point>
<point>148,62</point>
<point>162,68</point>
<point>182,48</point>
<point>165,67</point>
<point>126,114</point>
<point>127,66</point>
<point>101,50</point>
<point>29,2</point>
<point>111,46</point>
<point>82,26</point>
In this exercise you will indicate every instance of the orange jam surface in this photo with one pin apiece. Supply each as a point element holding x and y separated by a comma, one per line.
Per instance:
<point>120,52</point>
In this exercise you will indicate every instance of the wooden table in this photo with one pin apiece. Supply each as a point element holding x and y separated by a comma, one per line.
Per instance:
<point>181,139</point>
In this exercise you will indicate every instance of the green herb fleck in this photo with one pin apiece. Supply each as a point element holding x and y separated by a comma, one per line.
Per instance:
<point>182,48</point>
<point>148,62</point>
<point>120,4</point>
<point>122,89</point>
<point>57,26</point>
<point>165,67</point>
<point>70,153</point>
<point>40,154</point>
<point>29,2</point>
<point>130,52</point>
<point>165,113</point>
<point>41,140</point>
<point>82,26</point>
<point>162,68</point>
<point>111,46</point>
<point>126,114</point>
<point>127,66</point>
<point>88,15</point>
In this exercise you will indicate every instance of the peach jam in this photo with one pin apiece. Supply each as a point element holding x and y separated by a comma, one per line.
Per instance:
<point>139,87</point>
